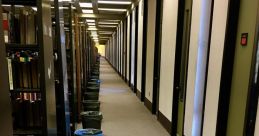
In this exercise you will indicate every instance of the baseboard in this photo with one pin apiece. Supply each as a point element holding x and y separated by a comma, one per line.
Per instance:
<point>148,104</point>
<point>138,94</point>
<point>165,122</point>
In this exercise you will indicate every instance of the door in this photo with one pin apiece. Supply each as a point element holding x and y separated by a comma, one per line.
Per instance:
<point>252,119</point>
<point>182,55</point>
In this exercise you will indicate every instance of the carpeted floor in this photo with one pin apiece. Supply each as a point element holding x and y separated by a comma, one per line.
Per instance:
<point>124,114</point>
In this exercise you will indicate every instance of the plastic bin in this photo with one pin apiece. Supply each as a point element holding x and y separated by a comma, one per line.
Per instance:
<point>93,89</point>
<point>91,105</point>
<point>91,119</point>
<point>91,96</point>
<point>88,132</point>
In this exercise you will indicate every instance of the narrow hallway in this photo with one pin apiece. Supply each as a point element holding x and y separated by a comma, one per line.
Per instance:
<point>124,114</point>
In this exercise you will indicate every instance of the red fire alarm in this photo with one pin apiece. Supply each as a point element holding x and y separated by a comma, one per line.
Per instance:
<point>244,37</point>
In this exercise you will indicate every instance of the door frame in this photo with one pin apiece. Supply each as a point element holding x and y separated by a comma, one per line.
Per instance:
<point>144,52</point>
<point>177,65</point>
<point>227,66</point>
<point>130,50</point>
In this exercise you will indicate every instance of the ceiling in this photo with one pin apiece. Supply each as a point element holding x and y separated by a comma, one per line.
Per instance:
<point>102,16</point>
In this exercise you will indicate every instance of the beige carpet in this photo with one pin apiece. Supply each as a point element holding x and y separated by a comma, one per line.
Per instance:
<point>124,114</point>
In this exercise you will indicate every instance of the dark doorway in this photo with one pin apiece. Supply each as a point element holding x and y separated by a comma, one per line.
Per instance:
<point>157,56</point>
<point>136,50</point>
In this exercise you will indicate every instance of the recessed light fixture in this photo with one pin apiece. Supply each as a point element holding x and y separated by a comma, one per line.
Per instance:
<point>112,9</point>
<point>92,26</point>
<point>85,5</point>
<point>88,11</point>
<point>114,2</point>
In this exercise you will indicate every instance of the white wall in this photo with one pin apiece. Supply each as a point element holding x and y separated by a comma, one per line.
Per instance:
<point>133,38</point>
<point>215,66</point>
<point>140,43</point>
<point>128,46</point>
<point>197,67</point>
<point>150,48</point>
<point>169,28</point>
<point>101,49</point>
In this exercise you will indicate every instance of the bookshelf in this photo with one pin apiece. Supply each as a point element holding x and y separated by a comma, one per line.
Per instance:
<point>28,40</point>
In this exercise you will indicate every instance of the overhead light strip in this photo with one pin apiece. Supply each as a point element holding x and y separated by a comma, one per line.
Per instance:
<point>85,5</point>
<point>87,11</point>
<point>112,9</point>
<point>114,2</point>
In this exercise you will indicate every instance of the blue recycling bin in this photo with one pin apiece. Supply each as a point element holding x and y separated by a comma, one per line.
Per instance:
<point>88,132</point>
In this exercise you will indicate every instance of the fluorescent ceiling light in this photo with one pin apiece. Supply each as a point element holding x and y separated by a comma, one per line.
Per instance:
<point>4,5</point>
<point>34,8</point>
<point>92,29</point>
<point>106,26</point>
<point>112,9</point>
<point>88,11</point>
<point>93,32</point>
<point>19,6</point>
<point>109,20</point>
<point>86,5</point>
<point>114,2</point>
<point>108,23</point>
<point>91,24</point>
<point>90,21</point>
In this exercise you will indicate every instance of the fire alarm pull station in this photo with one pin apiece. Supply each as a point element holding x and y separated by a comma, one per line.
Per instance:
<point>244,37</point>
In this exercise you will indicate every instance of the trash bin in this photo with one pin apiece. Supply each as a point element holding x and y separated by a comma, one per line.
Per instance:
<point>91,105</point>
<point>88,132</point>
<point>94,77</point>
<point>94,80</point>
<point>92,119</point>
<point>91,96</point>
<point>93,83</point>
<point>93,89</point>
<point>95,73</point>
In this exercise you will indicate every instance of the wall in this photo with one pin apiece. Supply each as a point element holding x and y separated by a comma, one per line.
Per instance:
<point>242,66</point>
<point>169,28</point>
<point>101,49</point>
<point>215,66</point>
<point>133,46</point>
<point>140,43</point>
<point>150,48</point>
<point>197,66</point>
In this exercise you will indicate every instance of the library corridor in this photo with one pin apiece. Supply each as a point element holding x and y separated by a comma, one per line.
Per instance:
<point>129,68</point>
<point>124,114</point>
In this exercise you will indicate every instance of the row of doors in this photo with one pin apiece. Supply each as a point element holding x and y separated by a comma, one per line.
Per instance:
<point>184,24</point>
